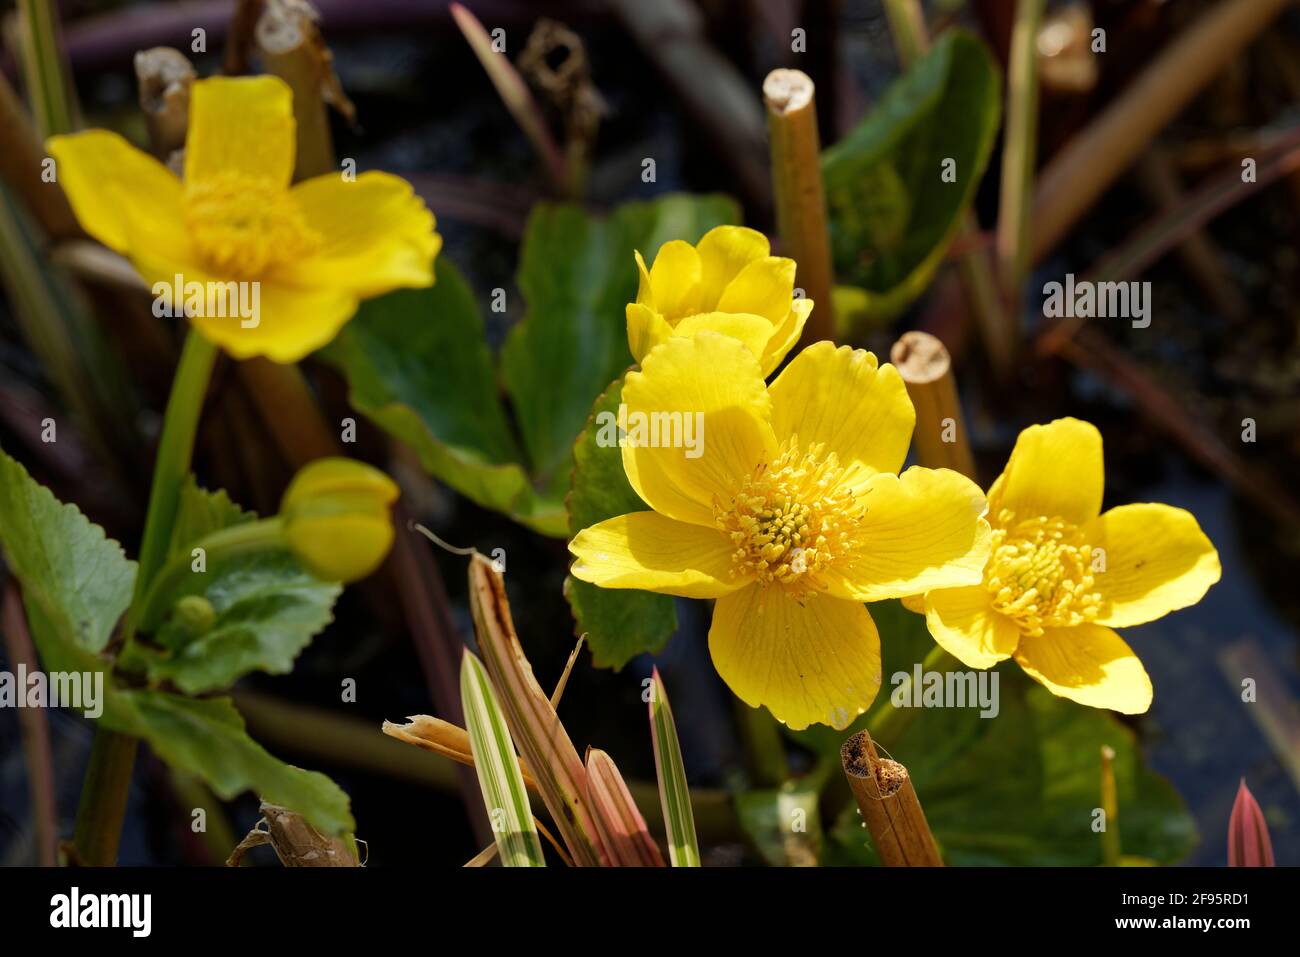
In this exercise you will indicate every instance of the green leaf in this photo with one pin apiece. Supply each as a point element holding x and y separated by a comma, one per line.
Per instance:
<point>76,581</point>
<point>892,216</point>
<point>201,513</point>
<point>577,274</point>
<point>207,737</point>
<point>497,766</point>
<point>674,792</point>
<point>1018,788</point>
<point>619,623</point>
<point>267,608</point>
<point>418,365</point>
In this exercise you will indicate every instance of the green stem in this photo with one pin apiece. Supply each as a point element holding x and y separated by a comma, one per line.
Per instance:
<point>891,723</point>
<point>1020,150</point>
<point>108,777</point>
<point>764,748</point>
<point>175,450</point>
<point>103,798</point>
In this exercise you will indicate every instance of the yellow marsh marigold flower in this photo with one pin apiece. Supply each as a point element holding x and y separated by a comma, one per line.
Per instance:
<point>335,516</point>
<point>315,249</point>
<point>1063,574</point>
<point>727,284</point>
<point>791,514</point>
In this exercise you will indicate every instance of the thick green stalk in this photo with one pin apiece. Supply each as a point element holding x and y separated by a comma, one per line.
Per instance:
<point>103,799</point>
<point>175,449</point>
<point>108,778</point>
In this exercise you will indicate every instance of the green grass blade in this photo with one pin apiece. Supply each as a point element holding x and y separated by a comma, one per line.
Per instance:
<point>674,794</point>
<point>498,769</point>
<point>49,85</point>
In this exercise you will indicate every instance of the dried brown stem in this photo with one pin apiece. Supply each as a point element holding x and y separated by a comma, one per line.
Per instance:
<point>291,46</point>
<point>1094,158</point>
<point>800,199</point>
<point>941,439</point>
<point>21,166</point>
<point>35,732</point>
<point>163,76</point>
<point>889,806</point>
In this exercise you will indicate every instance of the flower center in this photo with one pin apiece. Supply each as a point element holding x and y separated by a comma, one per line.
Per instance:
<point>243,226</point>
<point>790,519</point>
<point>1040,574</point>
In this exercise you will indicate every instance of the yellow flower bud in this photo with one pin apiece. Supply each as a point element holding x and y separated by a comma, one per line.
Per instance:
<point>336,518</point>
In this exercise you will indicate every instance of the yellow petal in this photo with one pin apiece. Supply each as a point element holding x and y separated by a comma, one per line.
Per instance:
<point>291,323</point>
<point>645,329</point>
<point>724,252</point>
<point>785,336</point>
<point>675,279</point>
<point>765,288</point>
<point>839,398</point>
<point>752,330</point>
<point>242,126</point>
<point>962,621</point>
<point>813,663</point>
<point>648,551</point>
<point>1055,471</point>
<point>1089,664</point>
<point>1157,560</point>
<point>914,603</point>
<point>336,518</point>
<point>376,235</point>
<point>711,386</point>
<point>922,530</point>
<point>123,197</point>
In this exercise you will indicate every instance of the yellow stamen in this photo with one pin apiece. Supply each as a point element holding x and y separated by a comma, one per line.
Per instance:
<point>791,519</point>
<point>1040,573</point>
<point>243,226</point>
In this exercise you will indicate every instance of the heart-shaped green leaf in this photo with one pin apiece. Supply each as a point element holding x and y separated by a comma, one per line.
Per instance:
<point>898,183</point>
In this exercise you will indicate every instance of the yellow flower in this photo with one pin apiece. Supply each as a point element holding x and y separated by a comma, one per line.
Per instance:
<point>790,513</point>
<point>727,284</point>
<point>335,515</point>
<point>308,252</point>
<point>1063,575</point>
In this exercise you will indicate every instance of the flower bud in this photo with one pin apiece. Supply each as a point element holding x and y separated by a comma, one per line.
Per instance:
<point>336,518</point>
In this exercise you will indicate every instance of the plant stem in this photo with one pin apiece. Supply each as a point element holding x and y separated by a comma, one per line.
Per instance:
<point>926,368</point>
<point>175,450</point>
<point>1110,846</point>
<point>1095,156</point>
<point>800,198</point>
<point>889,806</point>
<point>891,723</point>
<point>104,795</point>
<point>46,73</point>
<point>108,778</point>
<point>763,745</point>
<point>907,24</point>
<point>1020,152</point>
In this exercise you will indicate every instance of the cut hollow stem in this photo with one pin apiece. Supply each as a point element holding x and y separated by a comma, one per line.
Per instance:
<point>889,806</point>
